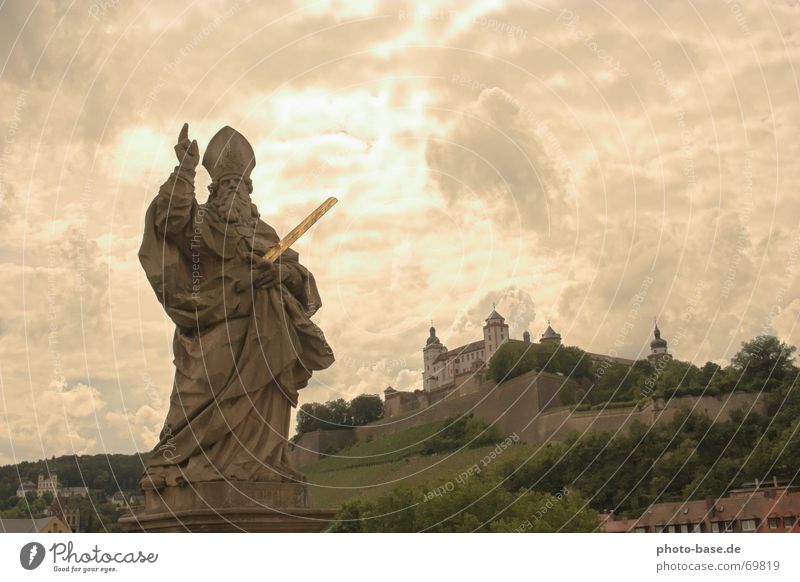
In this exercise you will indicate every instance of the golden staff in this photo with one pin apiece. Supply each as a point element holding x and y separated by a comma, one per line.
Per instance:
<point>274,252</point>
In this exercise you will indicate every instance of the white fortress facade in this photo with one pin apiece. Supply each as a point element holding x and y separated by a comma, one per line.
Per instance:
<point>442,367</point>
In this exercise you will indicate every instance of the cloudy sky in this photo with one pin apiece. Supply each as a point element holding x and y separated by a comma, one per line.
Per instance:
<point>596,164</point>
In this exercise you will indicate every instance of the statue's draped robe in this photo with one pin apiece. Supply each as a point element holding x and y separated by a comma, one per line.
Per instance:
<point>240,356</point>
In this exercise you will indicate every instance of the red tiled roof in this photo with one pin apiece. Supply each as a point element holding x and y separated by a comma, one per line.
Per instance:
<point>755,504</point>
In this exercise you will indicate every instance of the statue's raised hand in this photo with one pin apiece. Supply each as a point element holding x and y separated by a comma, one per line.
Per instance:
<point>187,151</point>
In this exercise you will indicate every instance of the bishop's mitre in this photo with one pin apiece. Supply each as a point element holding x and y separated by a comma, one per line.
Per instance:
<point>229,153</point>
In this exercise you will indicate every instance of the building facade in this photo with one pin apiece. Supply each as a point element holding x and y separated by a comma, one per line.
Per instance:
<point>47,483</point>
<point>50,484</point>
<point>26,487</point>
<point>771,507</point>
<point>441,367</point>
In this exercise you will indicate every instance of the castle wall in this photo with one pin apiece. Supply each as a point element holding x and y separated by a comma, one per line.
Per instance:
<point>556,424</point>
<point>512,406</point>
<point>399,402</point>
<point>468,383</point>
<point>529,407</point>
<point>718,409</point>
<point>312,446</point>
<point>553,426</point>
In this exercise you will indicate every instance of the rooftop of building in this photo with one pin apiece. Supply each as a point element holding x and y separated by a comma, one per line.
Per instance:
<point>549,336</point>
<point>23,525</point>
<point>460,350</point>
<point>739,504</point>
<point>494,316</point>
<point>550,333</point>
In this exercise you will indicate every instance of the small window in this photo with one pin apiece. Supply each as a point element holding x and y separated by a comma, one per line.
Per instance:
<point>772,523</point>
<point>748,525</point>
<point>640,529</point>
<point>715,526</point>
<point>685,528</point>
<point>788,522</point>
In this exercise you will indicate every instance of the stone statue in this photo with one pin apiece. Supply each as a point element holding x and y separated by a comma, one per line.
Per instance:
<point>244,342</point>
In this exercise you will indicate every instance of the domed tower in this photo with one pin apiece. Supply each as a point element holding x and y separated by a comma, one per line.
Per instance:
<point>495,333</point>
<point>433,347</point>
<point>526,336</point>
<point>550,336</point>
<point>658,347</point>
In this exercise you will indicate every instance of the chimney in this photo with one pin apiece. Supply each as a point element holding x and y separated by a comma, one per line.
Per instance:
<point>775,480</point>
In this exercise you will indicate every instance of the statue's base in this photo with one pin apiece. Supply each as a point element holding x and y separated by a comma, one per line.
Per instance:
<point>229,506</point>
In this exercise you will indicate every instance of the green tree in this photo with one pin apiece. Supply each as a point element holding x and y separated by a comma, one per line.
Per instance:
<point>366,408</point>
<point>515,358</point>
<point>616,383</point>
<point>337,414</point>
<point>340,416</point>
<point>709,372</point>
<point>29,506</point>
<point>510,360</point>
<point>481,503</point>
<point>312,416</point>
<point>461,431</point>
<point>677,378</point>
<point>764,362</point>
<point>101,480</point>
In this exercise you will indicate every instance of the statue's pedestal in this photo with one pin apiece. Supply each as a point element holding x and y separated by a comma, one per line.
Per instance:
<point>229,506</point>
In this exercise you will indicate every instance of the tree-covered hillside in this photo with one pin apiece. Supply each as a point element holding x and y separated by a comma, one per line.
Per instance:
<point>688,458</point>
<point>105,473</point>
<point>763,364</point>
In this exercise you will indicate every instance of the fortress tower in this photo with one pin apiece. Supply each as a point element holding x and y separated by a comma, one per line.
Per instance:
<point>432,350</point>
<point>658,347</point>
<point>441,367</point>
<point>550,336</point>
<point>495,333</point>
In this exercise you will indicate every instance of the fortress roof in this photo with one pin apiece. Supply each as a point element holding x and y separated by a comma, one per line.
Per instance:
<point>658,342</point>
<point>465,349</point>
<point>755,505</point>
<point>494,316</point>
<point>550,333</point>
<point>23,525</point>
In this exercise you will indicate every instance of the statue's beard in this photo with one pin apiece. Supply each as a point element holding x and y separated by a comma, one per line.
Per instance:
<point>232,207</point>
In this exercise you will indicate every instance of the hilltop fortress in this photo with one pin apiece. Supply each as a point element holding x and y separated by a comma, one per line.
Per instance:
<point>462,369</point>
<point>454,382</point>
